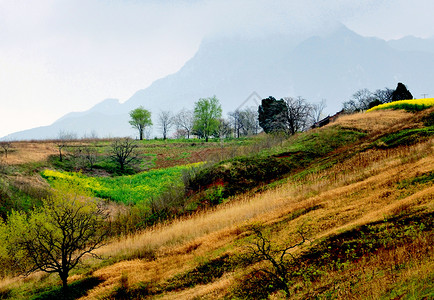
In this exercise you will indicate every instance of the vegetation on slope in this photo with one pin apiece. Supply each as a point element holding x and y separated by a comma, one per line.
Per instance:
<point>241,174</point>
<point>366,211</point>
<point>130,189</point>
<point>412,105</point>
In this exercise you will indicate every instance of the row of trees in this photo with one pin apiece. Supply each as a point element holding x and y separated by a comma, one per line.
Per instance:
<point>364,99</point>
<point>204,121</point>
<point>288,115</point>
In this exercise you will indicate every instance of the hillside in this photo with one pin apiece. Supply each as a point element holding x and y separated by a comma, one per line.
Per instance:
<point>352,203</point>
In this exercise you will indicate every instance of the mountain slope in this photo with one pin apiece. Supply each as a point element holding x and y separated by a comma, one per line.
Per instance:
<point>411,43</point>
<point>331,67</point>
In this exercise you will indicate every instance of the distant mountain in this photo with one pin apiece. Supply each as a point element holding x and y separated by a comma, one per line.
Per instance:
<point>411,43</point>
<point>330,67</point>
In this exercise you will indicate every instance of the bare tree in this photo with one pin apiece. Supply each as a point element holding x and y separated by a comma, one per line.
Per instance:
<point>6,145</point>
<point>165,121</point>
<point>261,249</point>
<point>123,151</point>
<point>224,129</point>
<point>359,101</point>
<point>184,121</point>
<point>87,156</point>
<point>249,117</point>
<point>180,134</point>
<point>299,111</point>
<point>383,95</point>
<point>245,122</point>
<point>63,140</point>
<point>237,124</point>
<point>316,113</point>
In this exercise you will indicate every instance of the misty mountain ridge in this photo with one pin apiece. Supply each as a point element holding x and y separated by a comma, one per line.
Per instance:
<point>330,67</point>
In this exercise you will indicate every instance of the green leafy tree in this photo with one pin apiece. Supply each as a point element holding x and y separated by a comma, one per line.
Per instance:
<point>54,237</point>
<point>207,112</point>
<point>140,118</point>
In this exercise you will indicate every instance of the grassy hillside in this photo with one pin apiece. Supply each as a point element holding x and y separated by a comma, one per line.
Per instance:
<point>352,204</point>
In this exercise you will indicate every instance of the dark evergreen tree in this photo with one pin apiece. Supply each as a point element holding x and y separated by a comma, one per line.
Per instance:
<point>273,115</point>
<point>401,93</point>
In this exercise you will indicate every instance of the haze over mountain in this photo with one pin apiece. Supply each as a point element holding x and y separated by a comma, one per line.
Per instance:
<point>330,67</point>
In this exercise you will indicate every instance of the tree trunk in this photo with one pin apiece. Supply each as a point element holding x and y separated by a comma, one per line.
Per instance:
<point>141,134</point>
<point>64,278</point>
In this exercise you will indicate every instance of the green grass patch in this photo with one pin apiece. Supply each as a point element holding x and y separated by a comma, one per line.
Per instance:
<point>421,179</point>
<point>322,142</point>
<point>76,290</point>
<point>137,188</point>
<point>405,137</point>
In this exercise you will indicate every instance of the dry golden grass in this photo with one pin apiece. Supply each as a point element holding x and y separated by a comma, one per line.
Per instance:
<point>365,193</point>
<point>375,121</point>
<point>27,152</point>
<point>379,271</point>
<point>353,192</point>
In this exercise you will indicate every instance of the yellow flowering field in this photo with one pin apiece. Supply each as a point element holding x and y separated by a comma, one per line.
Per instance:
<point>410,105</point>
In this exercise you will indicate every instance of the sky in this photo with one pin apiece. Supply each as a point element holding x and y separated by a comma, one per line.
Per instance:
<point>59,56</point>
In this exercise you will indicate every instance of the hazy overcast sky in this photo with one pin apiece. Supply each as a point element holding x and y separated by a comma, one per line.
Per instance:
<point>68,55</point>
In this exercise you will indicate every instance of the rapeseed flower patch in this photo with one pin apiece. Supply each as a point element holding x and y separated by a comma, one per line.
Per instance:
<point>411,105</point>
<point>134,189</point>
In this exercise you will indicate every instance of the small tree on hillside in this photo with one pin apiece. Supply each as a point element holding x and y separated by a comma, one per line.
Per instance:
<point>383,95</point>
<point>401,93</point>
<point>6,145</point>
<point>165,120</point>
<point>87,156</point>
<point>278,258</point>
<point>244,121</point>
<point>54,237</point>
<point>207,112</point>
<point>299,112</point>
<point>317,109</point>
<point>63,140</point>
<point>184,122</point>
<point>224,129</point>
<point>140,119</point>
<point>123,151</point>
<point>273,115</point>
<point>359,101</point>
